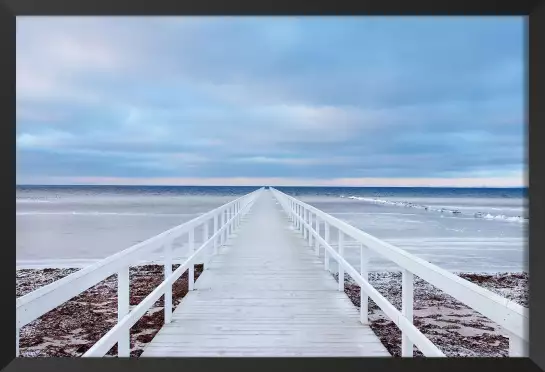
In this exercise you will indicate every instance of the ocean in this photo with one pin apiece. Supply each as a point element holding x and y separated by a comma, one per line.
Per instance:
<point>459,229</point>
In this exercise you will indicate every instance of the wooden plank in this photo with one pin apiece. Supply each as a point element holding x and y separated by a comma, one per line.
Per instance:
<point>265,294</point>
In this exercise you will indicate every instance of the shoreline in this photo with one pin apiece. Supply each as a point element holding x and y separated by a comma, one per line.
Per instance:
<point>72,328</point>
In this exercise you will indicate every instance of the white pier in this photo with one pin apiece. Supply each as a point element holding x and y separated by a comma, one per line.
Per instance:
<point>266,294</point>
<point>267,289</point>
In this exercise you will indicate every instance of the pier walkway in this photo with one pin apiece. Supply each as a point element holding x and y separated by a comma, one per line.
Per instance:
<point>267,288</point>
<point>266,294</point>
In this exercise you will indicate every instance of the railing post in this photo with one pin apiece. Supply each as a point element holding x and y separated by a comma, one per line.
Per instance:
<point>124,342</point>
<point>17,333</point>
<point>305,220</point>
<point>228,222</point>
<point>215,231</point>
<point>518,347</point>
<point>301,214</point>
<point>231,215</point>
<point>235,216</point>
<point>340,266</point>
<point>222,223</point>
<point>298,214</point>
<point>205,235</point>
<point>238,214</point>
<point>191,269</point>
<point>295,220</point>
<point>226,231</point>
<point>232,218</point>
<point>407,283</point>
<point>301,220</point>
<point>316,243</point>
<point>326,253</point>
<point>297,223</point>
<point>308,224</point>
<point>310,218</point>
<point>168,290</point>
<point>291,211</point>
<point>364,298</point>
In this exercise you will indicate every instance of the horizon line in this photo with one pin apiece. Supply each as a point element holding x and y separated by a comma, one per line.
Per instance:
<point>266,185</point>
<point>513,180</point>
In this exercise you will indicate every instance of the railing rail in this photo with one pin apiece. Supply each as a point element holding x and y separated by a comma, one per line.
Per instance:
<point>45,299</point>
<point>512,317</point>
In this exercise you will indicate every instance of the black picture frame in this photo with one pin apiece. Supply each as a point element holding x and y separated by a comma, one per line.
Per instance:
<point>535,10</point>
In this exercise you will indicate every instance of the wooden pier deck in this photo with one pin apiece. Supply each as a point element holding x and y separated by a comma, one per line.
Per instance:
<point>265,294</point>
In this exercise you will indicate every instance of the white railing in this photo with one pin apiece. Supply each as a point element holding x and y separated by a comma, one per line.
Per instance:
<point>225,219</point>
<point>512,317</point>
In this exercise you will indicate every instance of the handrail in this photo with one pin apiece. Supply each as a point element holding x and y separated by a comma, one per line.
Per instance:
<point>112,336</point>
<point>44,299</point>
<point>508,314</point>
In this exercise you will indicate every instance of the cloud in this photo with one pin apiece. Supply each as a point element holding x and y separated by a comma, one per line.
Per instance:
<point>47,140</point>
<point>286,97</point>
<point>297,161</point>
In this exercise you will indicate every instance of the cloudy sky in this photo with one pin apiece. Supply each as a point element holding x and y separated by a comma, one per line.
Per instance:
<point>271,100</point>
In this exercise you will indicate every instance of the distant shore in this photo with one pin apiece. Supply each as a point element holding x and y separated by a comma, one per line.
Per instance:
<point>72,328</point>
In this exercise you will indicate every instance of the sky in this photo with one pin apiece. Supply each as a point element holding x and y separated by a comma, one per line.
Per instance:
<point>344,101</point>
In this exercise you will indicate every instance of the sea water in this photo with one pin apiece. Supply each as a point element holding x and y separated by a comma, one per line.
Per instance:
<point>459,229</point>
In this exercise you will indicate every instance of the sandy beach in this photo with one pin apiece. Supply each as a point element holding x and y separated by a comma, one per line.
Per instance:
<point>72,328</point>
